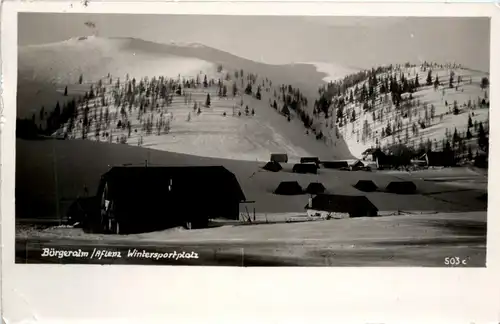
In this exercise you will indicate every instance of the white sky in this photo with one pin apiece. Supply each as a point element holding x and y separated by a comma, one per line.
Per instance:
<point>353,41</point>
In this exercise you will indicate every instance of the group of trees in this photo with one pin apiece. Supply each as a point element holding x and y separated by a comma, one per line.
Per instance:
<point>149,97</point>
<point>365,90</point>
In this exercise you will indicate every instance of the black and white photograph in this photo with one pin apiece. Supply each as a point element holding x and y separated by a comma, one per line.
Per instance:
<point>250,141</point>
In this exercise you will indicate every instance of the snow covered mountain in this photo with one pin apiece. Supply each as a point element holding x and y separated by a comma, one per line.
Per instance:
<point>356,111</point>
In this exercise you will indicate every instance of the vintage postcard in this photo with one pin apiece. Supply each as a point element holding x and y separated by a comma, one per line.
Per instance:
<point>147,140</point>
<point>175,139</point>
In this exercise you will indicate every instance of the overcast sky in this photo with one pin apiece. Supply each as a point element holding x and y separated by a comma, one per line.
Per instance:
<point>356,42</point>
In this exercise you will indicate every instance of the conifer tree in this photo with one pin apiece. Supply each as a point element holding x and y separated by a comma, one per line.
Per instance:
<point>456,137</point>
<point>484,83</point>
<point>207,102</point>
<point>455,108</point>
<point>482,140</point>
<point>388,130</point>
<point>235,89</point>
<point>429,78</point>
<point>469,134</point>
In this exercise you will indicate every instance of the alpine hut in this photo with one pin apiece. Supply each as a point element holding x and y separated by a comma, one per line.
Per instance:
<point>132,198</point>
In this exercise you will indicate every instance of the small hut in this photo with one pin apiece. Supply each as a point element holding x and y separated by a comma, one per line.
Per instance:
<point>272,166</point>
<point>354,206</point>
<point>366,186</point>
<point>279,157</point>
<point>315,188</point>
<point>401,187</point>
<point>289,188</point>
<point>305,168</point>
<point>335,164</point>
<point>310,159</point>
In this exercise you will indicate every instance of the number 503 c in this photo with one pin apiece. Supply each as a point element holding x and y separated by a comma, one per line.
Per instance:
<point>455,261</point>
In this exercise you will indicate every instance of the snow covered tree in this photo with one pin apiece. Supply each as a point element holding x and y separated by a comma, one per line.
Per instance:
<point>258,95</point>
<point>456,137</point>
<point>456,111</point>
<point>388,129</point>
<point>429,78</point>
<point>248,89</point>
<point>285,111</point>
<point>482,140</point>
<point>437,83</point>
<point>235,88</point>
<point>207,101</point>
<point>485,82</point>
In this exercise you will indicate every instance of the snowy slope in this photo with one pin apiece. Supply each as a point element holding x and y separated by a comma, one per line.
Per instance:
<point>434,107</point>
<point>45,71</point>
